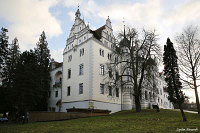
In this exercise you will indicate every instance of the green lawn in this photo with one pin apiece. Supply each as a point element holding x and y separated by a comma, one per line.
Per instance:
<point>125,121</point>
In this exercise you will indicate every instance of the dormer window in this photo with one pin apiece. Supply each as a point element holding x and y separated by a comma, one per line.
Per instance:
<point>80,28</point>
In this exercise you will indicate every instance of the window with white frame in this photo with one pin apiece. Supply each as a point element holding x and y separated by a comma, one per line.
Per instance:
<point>102,88</point>
<point>82,52</point>
<point>101,69</point>
<point>81,69</point>
<point>69,74</point>
<point>81,88</point>
<point>101,52</point>
<point>69,58</point>
<point>109,56</point>
<point>68,90</point>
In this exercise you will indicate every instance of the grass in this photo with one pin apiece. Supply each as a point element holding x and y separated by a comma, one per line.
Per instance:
<point>147,121</point>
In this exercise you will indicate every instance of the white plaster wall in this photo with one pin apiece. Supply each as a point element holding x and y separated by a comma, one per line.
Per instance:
<point>52,99</point>
<point>75,79</point>
<point>100,78</point>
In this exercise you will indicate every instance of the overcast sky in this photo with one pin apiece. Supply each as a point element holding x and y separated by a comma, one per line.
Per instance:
<point>26,19</point>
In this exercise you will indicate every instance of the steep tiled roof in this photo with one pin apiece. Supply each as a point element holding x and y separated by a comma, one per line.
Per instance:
<point>98,33</point>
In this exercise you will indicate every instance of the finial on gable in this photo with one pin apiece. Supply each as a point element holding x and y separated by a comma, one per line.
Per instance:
<point>78,14</point>
<point>124,27</point>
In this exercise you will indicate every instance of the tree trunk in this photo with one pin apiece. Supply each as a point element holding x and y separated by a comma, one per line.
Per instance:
<point>182,113</point>
<point>195,90</point>
<point>197,100</point>
<point>137,104</point>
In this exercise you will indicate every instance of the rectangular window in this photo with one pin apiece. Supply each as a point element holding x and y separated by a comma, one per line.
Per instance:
<point>109,56</point>
<point>56,94</point>
<point>82,52</point>
<point>102,88</point>
<point>109,90</point>
<point>81,69</point>
<point>68,91</point>
<point>69,74</point>
<point>117,92</point>
<point>81,88</point>
<point>69,58</point>
<point>101,69</point>
<point>110,73</point>
<point>101,52</point>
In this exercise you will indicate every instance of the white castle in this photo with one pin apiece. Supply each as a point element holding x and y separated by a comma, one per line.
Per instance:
<point>79,82</point>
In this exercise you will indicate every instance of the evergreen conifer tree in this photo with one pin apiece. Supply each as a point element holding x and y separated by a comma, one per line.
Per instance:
<point>172,77</point>
<point>25,83</point>
<point>43,59</point>
<point>3,51</point>
<point>3,69</point>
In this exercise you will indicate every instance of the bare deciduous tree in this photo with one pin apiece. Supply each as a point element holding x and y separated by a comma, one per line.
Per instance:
<point>134,57</point>
<point>189,59</point>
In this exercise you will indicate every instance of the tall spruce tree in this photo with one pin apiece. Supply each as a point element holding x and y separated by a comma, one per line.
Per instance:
<point>25,93</point>
<point>12,61</point>
<point>172,77</point>
<point>3,51</point>
<point>4,106</point>
<point>43,59</point>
